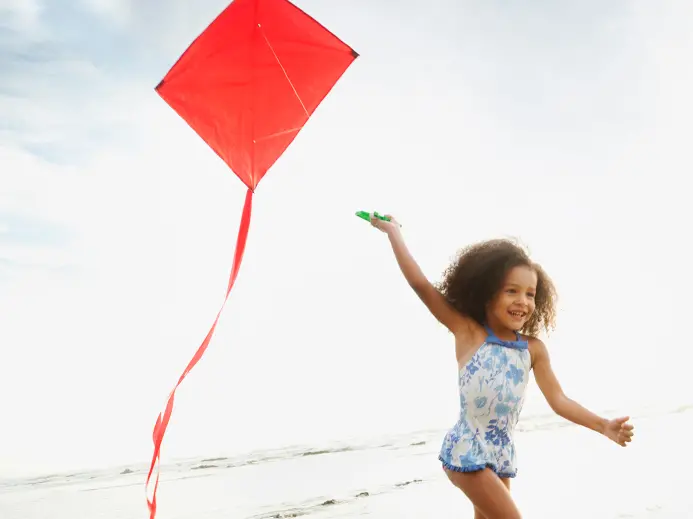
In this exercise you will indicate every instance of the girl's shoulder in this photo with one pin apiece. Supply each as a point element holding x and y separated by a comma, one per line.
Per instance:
<point>536,347</point>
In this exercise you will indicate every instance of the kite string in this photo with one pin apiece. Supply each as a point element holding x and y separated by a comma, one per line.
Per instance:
<point>283,70</point>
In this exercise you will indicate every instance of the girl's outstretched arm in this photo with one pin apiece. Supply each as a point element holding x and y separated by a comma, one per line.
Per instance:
<point>434,300</point>
<point>617,429</point>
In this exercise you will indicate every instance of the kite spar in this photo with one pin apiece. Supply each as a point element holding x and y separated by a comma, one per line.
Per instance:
<point>247,86</point>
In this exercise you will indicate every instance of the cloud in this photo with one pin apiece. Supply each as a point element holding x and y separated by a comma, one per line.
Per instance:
<point>156,26</point>
<point>22,16</point>
<point>118,12</point>
<point>66,119</point>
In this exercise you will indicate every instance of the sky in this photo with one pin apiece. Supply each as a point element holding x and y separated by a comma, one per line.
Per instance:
<point>566,125</point>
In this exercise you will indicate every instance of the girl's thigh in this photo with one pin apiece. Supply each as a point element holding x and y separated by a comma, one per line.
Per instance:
<point>488,493</point>
<point>477,513</point>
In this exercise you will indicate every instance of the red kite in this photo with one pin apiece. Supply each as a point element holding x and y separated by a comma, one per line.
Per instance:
<point>247,85</point>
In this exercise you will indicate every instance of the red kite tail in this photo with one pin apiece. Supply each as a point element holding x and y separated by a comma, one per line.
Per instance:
<point>163,420</point>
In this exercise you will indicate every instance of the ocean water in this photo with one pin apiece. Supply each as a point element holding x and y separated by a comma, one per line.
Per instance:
<point>564,471</point>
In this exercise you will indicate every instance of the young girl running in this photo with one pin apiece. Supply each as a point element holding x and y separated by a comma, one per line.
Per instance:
<point>494,300</point>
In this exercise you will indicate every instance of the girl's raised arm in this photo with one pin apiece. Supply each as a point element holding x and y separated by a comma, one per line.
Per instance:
<point>431,297</point>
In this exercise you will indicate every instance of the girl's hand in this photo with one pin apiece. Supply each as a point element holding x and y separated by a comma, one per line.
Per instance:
<point>619,430</point>
<point>384,225</point>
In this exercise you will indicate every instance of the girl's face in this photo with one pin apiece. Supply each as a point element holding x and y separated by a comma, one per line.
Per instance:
<point>514,303</point>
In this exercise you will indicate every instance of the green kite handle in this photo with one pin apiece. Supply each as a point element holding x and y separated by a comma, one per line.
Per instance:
<point>367,216</point>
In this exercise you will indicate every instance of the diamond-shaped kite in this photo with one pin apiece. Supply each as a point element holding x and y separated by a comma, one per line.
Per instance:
<point>247,85</point>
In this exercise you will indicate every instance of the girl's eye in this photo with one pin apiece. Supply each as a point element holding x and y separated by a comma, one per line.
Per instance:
<point>531,295</point>
<point>510,291</point>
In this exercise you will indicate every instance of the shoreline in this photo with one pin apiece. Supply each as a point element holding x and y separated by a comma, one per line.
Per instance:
<point>530,424</point>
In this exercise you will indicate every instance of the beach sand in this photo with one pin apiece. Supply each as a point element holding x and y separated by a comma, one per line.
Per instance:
<point>564,471</point>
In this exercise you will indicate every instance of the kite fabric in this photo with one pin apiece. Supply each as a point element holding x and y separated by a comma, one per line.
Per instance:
<point>247,86</point>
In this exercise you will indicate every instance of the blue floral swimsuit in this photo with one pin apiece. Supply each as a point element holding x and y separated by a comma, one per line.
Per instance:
<point>492,390</point>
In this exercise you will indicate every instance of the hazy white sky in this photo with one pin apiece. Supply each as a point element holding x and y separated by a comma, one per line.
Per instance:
<point>565,124</point>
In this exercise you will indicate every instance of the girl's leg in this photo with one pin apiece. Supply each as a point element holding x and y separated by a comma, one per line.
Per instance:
<point>477,512</point>
<point>487,492</point>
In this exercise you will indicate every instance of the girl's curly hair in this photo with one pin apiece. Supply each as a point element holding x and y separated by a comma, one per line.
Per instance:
<point>472,281</point>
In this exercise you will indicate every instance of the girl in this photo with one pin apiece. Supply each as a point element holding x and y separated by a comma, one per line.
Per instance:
<point>494,300</point>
